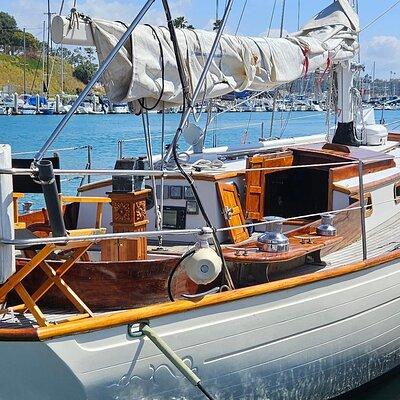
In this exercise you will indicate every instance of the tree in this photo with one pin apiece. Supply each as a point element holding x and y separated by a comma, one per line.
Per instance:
<point>8,25</point>
<point>181,23</point>
<point>85,71</point>
<point>10,35</point>
<point>17,39</point>
<point>90,54</point>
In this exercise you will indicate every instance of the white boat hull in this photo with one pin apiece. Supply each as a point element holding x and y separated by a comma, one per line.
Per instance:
<point>309,342</point>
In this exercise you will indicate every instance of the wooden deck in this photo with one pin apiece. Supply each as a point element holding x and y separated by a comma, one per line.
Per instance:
<point>380,240</point>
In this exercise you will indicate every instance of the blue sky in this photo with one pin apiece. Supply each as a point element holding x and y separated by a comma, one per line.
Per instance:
<point>380,42</point>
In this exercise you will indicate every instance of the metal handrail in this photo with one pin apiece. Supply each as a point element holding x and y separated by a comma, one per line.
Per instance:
<point>124,172</point>
<point>125,235</point>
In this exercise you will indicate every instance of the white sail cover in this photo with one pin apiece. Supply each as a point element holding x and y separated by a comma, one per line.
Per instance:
<point>241,63</point>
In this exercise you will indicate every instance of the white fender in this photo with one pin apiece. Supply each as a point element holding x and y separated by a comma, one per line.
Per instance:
<point>7,252</point>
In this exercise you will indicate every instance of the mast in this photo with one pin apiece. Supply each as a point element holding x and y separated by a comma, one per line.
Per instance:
<point>43,58</point>
<point>48,47</point>
<point>24,33</point>
<point>345,132</point>
<point>62,68</point>
<point>373,79</point>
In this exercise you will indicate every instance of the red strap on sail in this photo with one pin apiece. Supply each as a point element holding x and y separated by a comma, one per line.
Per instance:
<point>328,66</point>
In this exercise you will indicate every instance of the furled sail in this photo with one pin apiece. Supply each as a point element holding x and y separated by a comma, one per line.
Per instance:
<point>242,63</point>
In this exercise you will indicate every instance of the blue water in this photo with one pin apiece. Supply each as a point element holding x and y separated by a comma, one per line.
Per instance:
<point>28,133</point>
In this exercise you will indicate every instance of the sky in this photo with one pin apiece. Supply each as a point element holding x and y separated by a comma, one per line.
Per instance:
<point>379,43</point>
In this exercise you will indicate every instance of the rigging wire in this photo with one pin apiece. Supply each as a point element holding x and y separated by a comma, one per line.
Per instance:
<point>61,7</point>
<point>282,17</point>
<point>162,145</point>
<point>380,16</point>
<point>298,14</point>
<point>272,18</point>
<point>241,17</point>
<point>174,144</point>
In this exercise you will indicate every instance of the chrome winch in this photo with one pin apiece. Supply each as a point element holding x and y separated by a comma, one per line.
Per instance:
<point>273,240</point>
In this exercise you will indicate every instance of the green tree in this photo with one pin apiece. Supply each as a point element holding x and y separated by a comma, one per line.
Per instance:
<point>90,54</point>
<point>181,23</point>
<point>8,25</point>
<point>84,71</point>
<point>17,39</point>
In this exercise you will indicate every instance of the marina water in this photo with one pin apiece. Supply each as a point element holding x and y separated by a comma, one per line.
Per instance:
<point>27,133</point>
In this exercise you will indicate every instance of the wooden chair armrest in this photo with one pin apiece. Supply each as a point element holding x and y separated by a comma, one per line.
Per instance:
<point>87,232</point>
<point>84,199</point>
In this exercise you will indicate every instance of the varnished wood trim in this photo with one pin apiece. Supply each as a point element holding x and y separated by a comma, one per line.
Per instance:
<point>84,199</point>
<point>95,185</point>
<point>351,171</point>
<point>370,186</point>
<point>130,316</point>
<point>19,335</point>
<point>217,177</point>
<point>394,136</point>
<point>341,148</point>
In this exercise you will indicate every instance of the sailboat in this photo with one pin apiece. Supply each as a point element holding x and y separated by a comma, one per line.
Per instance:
<point>304,305</point>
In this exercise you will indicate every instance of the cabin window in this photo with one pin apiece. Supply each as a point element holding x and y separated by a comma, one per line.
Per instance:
<point>368,203</point>
<point>397,192</point>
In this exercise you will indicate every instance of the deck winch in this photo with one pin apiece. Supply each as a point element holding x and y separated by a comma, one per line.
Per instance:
<point>204,265</point>
<point>326,228</point>
<point>273,240</point>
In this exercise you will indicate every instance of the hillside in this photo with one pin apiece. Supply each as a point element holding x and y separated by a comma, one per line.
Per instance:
<point>11,72</point>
